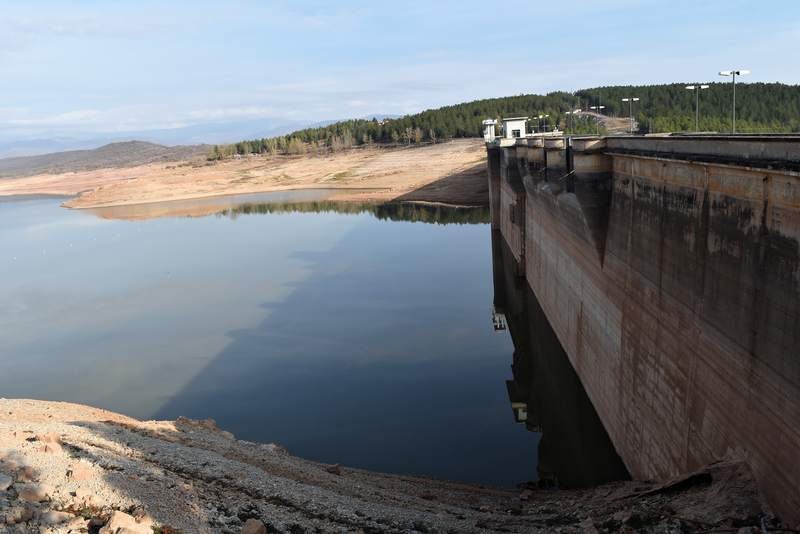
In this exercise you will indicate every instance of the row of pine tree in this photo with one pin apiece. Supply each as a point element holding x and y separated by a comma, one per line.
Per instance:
<point>760,108</point>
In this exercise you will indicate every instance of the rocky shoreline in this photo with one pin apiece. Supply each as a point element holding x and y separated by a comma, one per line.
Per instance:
<point>66,468</point>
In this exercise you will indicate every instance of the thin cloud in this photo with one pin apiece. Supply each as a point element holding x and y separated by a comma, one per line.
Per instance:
<point>131,66</point>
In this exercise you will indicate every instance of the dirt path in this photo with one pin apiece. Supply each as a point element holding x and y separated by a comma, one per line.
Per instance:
<point>613,125</point>
<point>70,468</point>
<point>451,172</point>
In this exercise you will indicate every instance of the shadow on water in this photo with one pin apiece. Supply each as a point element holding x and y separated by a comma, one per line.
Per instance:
<point>545,392</point>
<point>382,358</point>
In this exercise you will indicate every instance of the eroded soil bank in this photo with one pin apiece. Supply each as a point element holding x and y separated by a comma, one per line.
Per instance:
<point>71,468</point>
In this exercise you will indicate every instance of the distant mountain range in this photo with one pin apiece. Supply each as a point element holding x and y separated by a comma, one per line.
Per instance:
<point>122,154</point>
<point>207,133</point>
<point>213,133</point>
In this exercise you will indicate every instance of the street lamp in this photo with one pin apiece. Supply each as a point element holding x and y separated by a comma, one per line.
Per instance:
<point>570,118</point>
<point>630,102</point>
<point>545,122</point>
<point>598,109</point>
<point>696,89</point>
<point>734,74</point>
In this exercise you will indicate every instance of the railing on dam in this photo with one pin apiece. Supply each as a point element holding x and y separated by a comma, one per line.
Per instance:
<point>669,270</point>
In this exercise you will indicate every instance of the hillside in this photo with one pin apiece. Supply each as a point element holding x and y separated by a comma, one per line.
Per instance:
<point>113,155</point>
<point>761,108</point>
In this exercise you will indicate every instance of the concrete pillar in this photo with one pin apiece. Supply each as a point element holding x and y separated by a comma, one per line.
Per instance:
<point>589,161</point>
<point>556,154</point>
<point>521,152</point>
<point>535,154</point>
<point>511,173</point>
<point>493,154</point>
<point>510,169</point>
<point>591,182</point>
<point>521,145</point>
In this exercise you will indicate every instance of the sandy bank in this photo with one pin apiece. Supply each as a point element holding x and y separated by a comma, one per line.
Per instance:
<point>65,467</point>
<point>452,172</point>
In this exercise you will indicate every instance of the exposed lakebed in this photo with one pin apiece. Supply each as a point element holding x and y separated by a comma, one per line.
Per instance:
<point>347,333</point>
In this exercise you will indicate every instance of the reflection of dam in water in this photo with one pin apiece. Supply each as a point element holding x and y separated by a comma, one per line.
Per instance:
<point>545,393</point>
<point>669,271</point>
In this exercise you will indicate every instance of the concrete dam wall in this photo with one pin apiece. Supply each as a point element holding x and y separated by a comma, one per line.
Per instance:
<point>669,270</point>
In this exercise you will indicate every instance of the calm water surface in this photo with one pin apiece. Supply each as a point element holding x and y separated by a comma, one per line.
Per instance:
<point>353,338</point>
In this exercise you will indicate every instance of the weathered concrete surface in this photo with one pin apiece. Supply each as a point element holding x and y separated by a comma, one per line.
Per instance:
<point>512,205</point>
<point>676,297</point>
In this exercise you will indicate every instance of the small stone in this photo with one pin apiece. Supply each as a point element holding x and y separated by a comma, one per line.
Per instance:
<point>55,518</point>
<point>142,517</point>
<point>52,448</point>
<point>334,469</point>
<point>32,492</point>
<point>51,437</point>
<point>5,482</point>
<point>273,448</point>
<point>80,471</point>
<point>254,526</point>
<point>525,495</point>
<point>587,525</point>
<point>77,524</point>
<point>122,523</point>
<point>26,474</point>
<point>622,516</point>
<point>82,497</point>
<point>18,514</point>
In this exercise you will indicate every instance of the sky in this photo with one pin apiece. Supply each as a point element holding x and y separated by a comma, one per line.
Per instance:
<point>131,65</point>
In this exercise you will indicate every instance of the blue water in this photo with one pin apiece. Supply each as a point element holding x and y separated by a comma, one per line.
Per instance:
<point>346,338</point>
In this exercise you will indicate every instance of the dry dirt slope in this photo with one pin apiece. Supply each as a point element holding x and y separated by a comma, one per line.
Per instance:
<point>113,155</point>
<point>65,468</point>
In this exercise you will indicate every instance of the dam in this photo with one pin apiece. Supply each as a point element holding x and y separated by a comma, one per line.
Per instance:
<point>667,271</point>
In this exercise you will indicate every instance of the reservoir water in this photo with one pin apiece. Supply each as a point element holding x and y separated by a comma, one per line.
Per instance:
<point>361,337</point>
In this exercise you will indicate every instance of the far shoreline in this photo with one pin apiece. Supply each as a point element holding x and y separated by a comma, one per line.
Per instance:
<point>450,173</point>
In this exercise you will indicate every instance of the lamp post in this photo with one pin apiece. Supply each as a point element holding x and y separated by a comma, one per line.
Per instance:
<point>696,89</point>
<point>570,117</point>
<point>598,108</point>
<point>733,74</point>
<point>630,102</point>
<point>545,122</point>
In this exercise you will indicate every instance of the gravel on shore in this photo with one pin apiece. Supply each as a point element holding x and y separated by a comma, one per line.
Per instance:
<point>71,468</point>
